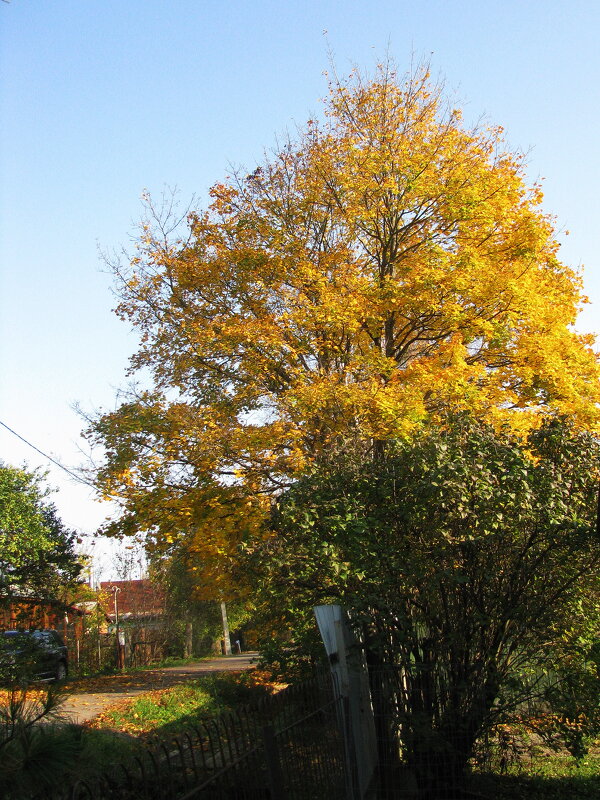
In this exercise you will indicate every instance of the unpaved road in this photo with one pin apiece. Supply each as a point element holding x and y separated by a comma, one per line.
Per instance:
<point>91,696</point>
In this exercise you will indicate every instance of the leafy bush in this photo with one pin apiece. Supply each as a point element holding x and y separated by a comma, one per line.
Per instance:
<point>466,556</point>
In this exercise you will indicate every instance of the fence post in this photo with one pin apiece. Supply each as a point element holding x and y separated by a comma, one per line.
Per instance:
<point>351,682</point>
<point>274,770</point>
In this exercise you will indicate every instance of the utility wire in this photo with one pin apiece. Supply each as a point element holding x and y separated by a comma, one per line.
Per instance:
<point>45,455</point>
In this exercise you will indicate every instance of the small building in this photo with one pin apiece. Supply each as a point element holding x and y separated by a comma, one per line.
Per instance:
<point>138,608</point>
<point>135,600</point>
<point>29,612</point>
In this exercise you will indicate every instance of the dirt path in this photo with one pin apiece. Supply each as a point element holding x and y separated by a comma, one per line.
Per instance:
<point>91,696</point>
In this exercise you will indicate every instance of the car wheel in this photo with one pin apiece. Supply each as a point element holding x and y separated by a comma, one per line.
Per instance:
<point>61,671</point>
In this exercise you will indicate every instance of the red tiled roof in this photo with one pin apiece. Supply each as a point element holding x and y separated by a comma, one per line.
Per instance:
<point>140,598</point>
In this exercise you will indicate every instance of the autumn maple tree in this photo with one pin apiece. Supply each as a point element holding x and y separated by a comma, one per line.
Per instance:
<point>386,265</point>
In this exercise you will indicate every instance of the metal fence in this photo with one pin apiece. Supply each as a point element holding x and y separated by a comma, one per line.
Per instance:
<point>95,651</point>
<point>304,743</point>
<point>288,747</point>
<point>426,749</point>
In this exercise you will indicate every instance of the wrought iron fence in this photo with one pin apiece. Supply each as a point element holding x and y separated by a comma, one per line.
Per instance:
<point>424,751</point>
<point>287,747</point>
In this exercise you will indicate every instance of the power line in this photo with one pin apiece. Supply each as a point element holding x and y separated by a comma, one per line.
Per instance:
<point>45,455</point>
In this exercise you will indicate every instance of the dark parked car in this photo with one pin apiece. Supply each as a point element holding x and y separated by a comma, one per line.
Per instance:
<point>41,655</point>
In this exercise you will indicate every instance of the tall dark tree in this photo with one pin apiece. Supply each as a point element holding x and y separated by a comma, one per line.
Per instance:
<point>37,551</point>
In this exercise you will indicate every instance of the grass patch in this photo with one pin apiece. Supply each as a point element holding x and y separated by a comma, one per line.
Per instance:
<point>552,776</point>
<point>166,711</point>
<point>172,661</point>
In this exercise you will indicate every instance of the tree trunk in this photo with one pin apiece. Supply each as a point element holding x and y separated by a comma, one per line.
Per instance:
<point>188,641</point>
<point>388,754</point>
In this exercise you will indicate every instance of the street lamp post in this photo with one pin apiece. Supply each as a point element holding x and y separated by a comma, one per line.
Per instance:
<point>120,660</point>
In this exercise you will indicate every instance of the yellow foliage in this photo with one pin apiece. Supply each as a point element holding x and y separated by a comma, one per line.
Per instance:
<point>387,266</point>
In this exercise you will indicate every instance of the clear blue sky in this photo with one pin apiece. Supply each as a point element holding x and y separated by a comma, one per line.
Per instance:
<point>101,100</point>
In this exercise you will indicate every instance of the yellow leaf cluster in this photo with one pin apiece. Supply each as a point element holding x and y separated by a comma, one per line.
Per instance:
<point>387,266</point>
